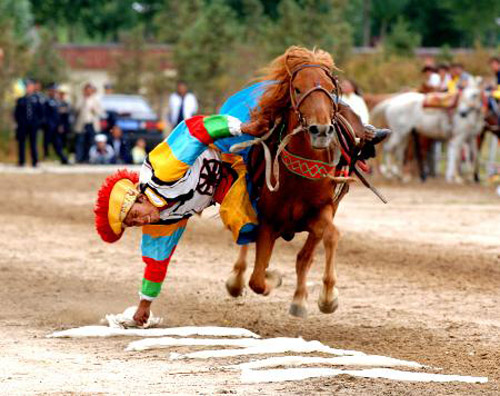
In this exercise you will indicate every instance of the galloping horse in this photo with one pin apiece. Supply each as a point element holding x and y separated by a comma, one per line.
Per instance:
<point>302,109</point>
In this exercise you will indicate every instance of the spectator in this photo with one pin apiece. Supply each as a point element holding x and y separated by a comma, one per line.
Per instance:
<point>139,151</point>
<point>181,105</point>
<point>28,115</point>
<point>52,122</point>
<point>42,99</point>
<point>495,68</point>
<point>444,76</point>
<point>101,153</point>
<point>431,79</point>
<point>355,101</point>
<point>64,117</point>
<point>120,146</point>
<point>87,123</point>
<point>459,78</point>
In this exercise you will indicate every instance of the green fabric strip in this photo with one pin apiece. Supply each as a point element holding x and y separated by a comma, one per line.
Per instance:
<point>151,289</point>
<point>217,126</point>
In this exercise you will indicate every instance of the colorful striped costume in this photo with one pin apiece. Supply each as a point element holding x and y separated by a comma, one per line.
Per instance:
<point>181,177</point>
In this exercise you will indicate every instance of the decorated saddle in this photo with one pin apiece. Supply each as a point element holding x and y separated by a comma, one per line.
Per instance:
<point>441,100</point>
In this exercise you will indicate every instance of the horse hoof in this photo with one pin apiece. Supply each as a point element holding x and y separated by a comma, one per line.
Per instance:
<point>299,311</point>
<point>258,288</point>
<point>328,307</point>
<point>234,286</point>
<point>274,279</point>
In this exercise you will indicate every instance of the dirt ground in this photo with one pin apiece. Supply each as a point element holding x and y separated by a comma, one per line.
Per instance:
<point>419,279</point>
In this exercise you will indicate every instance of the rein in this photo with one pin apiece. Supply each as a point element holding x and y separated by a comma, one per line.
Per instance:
<point>310,168</point>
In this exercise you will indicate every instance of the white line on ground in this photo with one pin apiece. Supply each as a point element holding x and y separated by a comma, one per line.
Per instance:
<point>357,360</point>
<point>295,374</point>
<point>105,331</point>
<point>268,346</point>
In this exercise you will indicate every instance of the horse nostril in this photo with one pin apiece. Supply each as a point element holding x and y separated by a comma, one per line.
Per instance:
<point>330,129</point>
<point>313,129</point>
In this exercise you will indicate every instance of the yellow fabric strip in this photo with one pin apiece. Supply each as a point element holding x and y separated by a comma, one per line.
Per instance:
<point>165,164</point>
<point>160,230</point>
<point>236,209</point>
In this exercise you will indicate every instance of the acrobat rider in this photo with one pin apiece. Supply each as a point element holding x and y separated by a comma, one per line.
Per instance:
<point>186,173</point>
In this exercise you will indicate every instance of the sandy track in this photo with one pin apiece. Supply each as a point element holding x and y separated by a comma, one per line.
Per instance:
<point>419,280</point>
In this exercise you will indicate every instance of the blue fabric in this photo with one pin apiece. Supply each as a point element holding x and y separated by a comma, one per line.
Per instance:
<point>240,105</point>
<point>184,146</point>
<point>160,248</point>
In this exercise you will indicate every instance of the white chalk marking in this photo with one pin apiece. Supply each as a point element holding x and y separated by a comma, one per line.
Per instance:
<point>268,346</point>
<point>165,342</point>
<point>105,331</point>
<point>357,360</point>
<point>296,374</point>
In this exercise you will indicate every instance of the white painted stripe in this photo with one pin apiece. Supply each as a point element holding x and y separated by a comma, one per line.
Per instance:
<point>105,331</point>
<point>357,360</point>
<point>165,342</point>
<point>268,346</point>
<point>296,374</point>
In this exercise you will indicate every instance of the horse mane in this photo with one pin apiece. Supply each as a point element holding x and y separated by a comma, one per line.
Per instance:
<point>275,100</point>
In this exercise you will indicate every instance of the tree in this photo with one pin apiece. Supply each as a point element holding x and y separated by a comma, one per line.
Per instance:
<point>401,40</point>
<point>204,50</point>
<point>311,23</point>
<point>46,64</point>
<point>175,17</point>
<point>18,12</point>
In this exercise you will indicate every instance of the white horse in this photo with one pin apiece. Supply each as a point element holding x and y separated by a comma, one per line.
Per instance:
<point>405,113</point>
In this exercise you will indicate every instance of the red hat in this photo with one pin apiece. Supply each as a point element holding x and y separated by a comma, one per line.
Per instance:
<point>114,200</point>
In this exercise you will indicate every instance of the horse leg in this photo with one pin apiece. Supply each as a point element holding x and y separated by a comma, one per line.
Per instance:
<point>303,264</point>
<point>236,281</point>
<point>477,162</point>
<point>262,281</point>
<point>328,300</point>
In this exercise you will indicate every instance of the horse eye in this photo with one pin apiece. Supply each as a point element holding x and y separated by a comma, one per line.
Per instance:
<point>297,91</point>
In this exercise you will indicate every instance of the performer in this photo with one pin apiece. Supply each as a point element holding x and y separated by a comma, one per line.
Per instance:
<point>183,175</point>
<point>180,177</point>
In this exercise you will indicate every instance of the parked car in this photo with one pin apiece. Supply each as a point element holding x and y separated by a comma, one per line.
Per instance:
<point>134,115</point>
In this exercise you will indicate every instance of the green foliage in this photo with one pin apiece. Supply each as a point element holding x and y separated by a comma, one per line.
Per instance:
<point>204,51</point>
<point>174,17</point>
<point>382,74</point>
<point>46,65</point>
<point>14,57</point>
<point>18,13</point>
<point>445,55</point>
<point>324,26</point>
<point>401,41</point>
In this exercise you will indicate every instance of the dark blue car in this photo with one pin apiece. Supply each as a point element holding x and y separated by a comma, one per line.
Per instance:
<point>134,115</point>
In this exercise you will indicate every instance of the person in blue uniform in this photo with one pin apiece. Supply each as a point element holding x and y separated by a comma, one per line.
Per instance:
<point>52,133</point>
<point>28,115</point>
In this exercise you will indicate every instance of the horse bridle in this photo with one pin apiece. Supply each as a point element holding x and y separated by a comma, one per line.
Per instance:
<point>334,97</point>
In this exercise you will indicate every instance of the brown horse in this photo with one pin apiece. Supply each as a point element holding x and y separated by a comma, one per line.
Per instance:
<point>303,104</point>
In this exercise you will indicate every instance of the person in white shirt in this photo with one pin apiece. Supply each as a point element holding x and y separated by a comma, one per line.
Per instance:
<point>444,76</point>
<point>101,153</point>
<point>355,101</point>
<point>432,80</point>
<point>181,105</point>
<point>89,112</point>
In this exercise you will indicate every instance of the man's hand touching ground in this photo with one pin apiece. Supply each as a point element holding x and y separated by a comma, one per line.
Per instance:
<point>141,316</point>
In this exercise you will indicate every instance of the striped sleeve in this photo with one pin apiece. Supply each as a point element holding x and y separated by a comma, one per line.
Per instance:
<point>158,245</point>
<point>171,159</point>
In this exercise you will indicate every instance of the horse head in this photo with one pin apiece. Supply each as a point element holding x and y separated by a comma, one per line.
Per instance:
<point>305,95</point>
<point>471,98</point>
